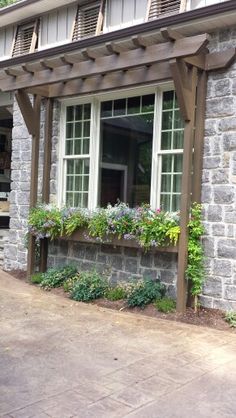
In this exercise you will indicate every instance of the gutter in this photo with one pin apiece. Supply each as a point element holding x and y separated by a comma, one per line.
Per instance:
<point>154,25</point>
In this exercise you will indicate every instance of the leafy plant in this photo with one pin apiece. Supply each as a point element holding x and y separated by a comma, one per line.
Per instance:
<point>230,317</point>
<point>55,277</point>
<point>45,222</point>
<point>4,3</point>
<point>68,284</point>
<point>195,269</point>
<point>116,293</point>
<point>165,305</point>
<point>89,286</point>
<point>144,292</point>
<point>36,278</point>
<point>74,221</point>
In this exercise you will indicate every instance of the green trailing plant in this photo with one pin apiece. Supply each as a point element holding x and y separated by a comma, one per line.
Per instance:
<point>116,293</point>
<point>74,221</point>
<point>230,317</point>
<point>195,269</point>
<point>45,222</point>
<point>89,286</point>
<point>4,3</point>
<point>144,292</point>
<point>55,277</point>
<point>165,305</point>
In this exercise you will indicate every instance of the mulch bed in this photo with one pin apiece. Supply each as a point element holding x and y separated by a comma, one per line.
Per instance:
<point>212,318</point>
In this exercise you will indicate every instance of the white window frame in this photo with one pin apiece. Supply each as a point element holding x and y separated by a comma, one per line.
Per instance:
<point>94,155</point>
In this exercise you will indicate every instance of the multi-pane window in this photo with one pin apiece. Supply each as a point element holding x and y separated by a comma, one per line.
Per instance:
<point>127,149</point>
<point>76,155</point>
<point>170,154</point>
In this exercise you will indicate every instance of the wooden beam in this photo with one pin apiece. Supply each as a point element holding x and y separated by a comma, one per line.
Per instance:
<point>180,76</point>
<point>46,176</point>
<point>27,111</point>
<point>169,34</point>
<point>129,59</point>
<point>139,41</point>
<point>220,60</point>
<point>156,73</point>
<point>198,61</point>
<point>34,181</point>
<point>199,137</point>
<point>186,184</point>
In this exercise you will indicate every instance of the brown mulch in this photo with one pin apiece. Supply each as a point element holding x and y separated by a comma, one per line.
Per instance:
<point>212,318</point>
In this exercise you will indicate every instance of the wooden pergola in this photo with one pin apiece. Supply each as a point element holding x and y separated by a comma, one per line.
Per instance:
<point>185,60</point>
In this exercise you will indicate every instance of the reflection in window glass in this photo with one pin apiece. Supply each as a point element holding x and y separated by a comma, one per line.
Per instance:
<point>126,150</point>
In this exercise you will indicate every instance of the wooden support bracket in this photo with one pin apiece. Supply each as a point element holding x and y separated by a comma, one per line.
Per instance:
<point>27,111</point>
<point>169,34</point>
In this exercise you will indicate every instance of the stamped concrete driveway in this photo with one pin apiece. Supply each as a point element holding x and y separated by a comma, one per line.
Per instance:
<point>64,359</point>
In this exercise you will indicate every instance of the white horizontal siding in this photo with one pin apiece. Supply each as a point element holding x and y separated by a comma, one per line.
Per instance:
<point>56,27</point>
<point>122,13</point>
<point>6,40</point>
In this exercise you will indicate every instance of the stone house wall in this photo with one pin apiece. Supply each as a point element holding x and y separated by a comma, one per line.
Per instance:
<point>218,197</point>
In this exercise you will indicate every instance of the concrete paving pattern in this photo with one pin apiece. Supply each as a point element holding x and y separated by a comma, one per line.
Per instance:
<point>62,359</point>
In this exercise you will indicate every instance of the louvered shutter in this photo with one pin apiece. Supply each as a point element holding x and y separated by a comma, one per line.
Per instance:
<point>25,39</point>
<point>86,21</point>
<point>159,8</point>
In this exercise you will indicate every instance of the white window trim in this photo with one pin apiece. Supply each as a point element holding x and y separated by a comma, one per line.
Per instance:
<point>94,155</point>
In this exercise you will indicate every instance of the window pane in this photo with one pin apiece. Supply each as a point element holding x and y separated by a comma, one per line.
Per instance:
<point>168,99</point>
<point>69,130</point>
<point>78,130</point>
<point>106,109</point>
<point>167,120</point>
<point>119,107</point>
<point>133,105</point>
<point>78,112</point>
<point>178,140</point>
<point>165,202</point>
<point>175,202</point>
<point>69,147</point>
<point>70,183</point>
<point>166,140</point>
<point>70,113</point>
<point>177,183</point>
<point>167,163</point>
<point>87,111</point>
<point>148,103</point>
<point>178,163</point>
<point>178,121</point>
<point>69,199</point>
<point>78,145</point>
<point>126,154</point>
<point>166,183</point>
<point>70,167</point>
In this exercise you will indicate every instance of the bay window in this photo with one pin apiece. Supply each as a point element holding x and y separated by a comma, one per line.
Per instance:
<point>126,148</point>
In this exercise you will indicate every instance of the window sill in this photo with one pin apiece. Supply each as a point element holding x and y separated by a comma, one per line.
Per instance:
<point>116,242</point>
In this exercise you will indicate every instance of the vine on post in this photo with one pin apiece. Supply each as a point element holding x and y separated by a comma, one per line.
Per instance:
<point>195,270</point>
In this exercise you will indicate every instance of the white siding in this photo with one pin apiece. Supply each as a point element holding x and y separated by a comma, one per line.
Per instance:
<point>123,13</point>
<point>6,39</point>
<point>56,27</point>
<point>196,4</point>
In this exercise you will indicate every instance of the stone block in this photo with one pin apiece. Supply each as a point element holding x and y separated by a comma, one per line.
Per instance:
<point>206,301</point>
<point>220,108</point>
<point>226,248</point>
<point>214,213</point>
<point>227,124</point>
<point>213,287</point>
<point>115,261</point>
<point>211,162</point>
<point>149,273</point>
<point>222,268</point>
<point>146,260</point>
<point>131,252</point>
<point>91,252</point>
<point>230,293</point>
<point>206,193</point>
<point>223,194</point>
<point>131,265</point>
<point>168,276</point>
<point>223,87</point>
<point>209,246</point>
<point>220,176</point>
<point>109,249</point>
<point>218,230</point>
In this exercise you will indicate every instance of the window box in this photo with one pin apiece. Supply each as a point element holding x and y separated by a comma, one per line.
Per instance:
<point>115,242</point>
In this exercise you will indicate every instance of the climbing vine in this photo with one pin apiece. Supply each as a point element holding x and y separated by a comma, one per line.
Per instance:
<point>195,270</point>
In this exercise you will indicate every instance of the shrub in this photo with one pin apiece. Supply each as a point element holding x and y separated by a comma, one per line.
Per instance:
<point>89,286</point>
<point>116,293</point>
<point>69,283</point>
<point>36,278</point>
<point>165,305</point>
<point>144,292</point>
<point>230,317</point>
<point>55,277</point>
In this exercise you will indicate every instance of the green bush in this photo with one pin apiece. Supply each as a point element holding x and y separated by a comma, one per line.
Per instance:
<point>230,317</point>
<point>165,305</point>
<point>36,278</point>
<point>89,286</point>
<point>55,277</point>
<point>116,293</point>
<point>69,283</point>
<point>144,292</point>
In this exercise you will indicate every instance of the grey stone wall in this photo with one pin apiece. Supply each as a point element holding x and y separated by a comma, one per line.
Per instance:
<point>219,182</point>
<point>118,263</point>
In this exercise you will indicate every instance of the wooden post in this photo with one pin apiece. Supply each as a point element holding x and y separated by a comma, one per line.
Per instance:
<point>185,83</point>
<point>46,177</point>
